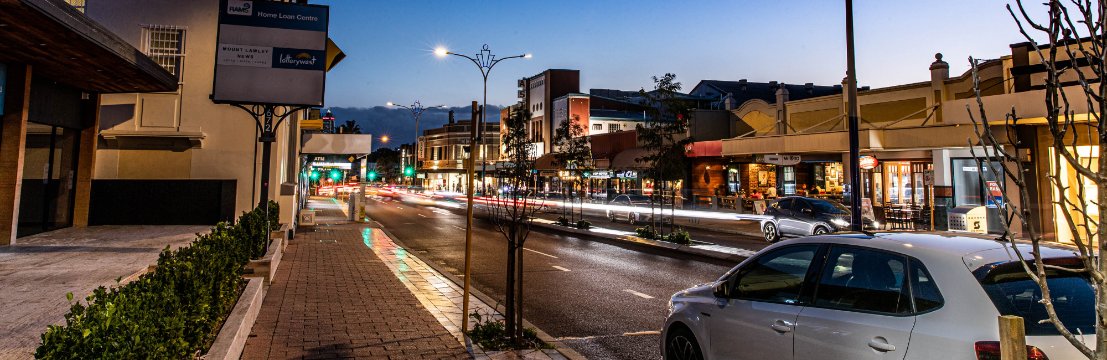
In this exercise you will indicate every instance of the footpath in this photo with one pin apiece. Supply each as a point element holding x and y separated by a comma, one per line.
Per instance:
<point>346,290</point>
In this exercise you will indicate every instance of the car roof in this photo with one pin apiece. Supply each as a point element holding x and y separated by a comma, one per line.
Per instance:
<point>942,246</point>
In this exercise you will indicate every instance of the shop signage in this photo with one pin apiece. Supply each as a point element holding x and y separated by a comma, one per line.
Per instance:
<point>777,159</point>
<point>270,52</point>
<point>600,174</point>
<point>867,162</point>
<point>629,174</point>
<point>928,177</point>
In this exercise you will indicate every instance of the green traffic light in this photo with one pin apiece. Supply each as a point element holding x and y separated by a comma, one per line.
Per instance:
<point>409,171</point>
<point>372,175</point>
<point>336,175</point>
<point>314,175</point>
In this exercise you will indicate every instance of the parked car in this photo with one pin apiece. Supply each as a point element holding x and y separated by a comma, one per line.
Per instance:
<point>632,208</point>
<point>888,295</point>
<point>803,216</point>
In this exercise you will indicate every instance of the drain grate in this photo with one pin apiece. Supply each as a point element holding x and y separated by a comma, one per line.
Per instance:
<point>328,241</point>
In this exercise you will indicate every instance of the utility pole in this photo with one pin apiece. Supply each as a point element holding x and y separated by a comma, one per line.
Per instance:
<point>469,215</point>
<point>854,137</point>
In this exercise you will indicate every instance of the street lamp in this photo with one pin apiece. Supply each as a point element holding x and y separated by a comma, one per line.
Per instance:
<point>484,61</point>
<point>416,112</point>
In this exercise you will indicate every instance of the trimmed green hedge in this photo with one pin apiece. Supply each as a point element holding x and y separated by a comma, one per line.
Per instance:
<point>173,312</point>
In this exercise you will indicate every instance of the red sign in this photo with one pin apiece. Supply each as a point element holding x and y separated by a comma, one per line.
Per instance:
<point>867,162</point>
<point>993,188</point>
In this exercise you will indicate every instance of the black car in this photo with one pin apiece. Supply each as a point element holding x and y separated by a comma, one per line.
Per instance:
<point>801,216</point>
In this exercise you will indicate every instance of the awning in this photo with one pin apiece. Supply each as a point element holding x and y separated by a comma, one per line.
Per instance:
<point>64,45</point>
<point>913,138</point>
<point>712,148</point>
<point>628,159</point>
<point>337,144</point>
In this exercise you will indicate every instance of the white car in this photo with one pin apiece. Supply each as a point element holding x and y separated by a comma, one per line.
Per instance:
<point>885,296</point>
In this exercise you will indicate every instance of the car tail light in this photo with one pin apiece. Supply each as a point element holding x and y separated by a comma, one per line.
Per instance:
<point>989,350</point>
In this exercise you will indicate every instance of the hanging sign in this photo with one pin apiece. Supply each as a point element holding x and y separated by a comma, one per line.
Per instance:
<point>270,52</point>
<point>867,162</point>
<point>777,159</point>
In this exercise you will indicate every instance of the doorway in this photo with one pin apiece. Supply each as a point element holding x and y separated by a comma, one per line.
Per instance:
<point>49,178</point>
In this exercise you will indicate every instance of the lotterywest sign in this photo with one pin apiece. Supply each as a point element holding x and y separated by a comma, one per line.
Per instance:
<point>270,52</point>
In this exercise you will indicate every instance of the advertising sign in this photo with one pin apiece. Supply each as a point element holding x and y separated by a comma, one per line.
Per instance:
<point>270,52</point>
<point>867,162</point>
<point>785,160</point>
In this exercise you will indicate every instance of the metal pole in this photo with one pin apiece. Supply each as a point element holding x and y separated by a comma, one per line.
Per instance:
<point>854,140</point>
<point>267,139</point>
<point>480,132</point>
<point>468,224</point>
<point>415,149</point>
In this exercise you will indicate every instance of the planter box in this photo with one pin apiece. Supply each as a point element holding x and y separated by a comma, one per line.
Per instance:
<point>236,329</point>
<point>266,266</point>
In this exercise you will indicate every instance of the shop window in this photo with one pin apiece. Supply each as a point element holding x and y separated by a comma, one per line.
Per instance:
<point>789,180</point>
<point>1070,181</point>
<point>597,127</point>
<point>165,45</point>
<point>612,127</point>
<point>970,184</point>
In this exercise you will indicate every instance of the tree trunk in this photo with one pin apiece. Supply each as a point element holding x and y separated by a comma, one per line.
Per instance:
<point>509,290</point>
<point>1101,234</point>
<point>519,292</point>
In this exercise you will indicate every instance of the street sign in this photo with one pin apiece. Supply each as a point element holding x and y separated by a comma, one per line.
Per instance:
<point>270,52</point>
<point>867,162</point>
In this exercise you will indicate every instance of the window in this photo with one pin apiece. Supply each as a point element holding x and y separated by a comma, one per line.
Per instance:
<point>925,292</point>
<point>612,127</point>
<point>785,204</point>
<point>165,45</point>
<point>789,180</point>
<point>1014,293</point>
<point>863,280</point>
<point>597,127</point>
<point>777,276</point>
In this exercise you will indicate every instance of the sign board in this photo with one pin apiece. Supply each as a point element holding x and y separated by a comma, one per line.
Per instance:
<point>3,85</point>
<point>759,207</point>
<point>629,174</point>
<point>867,209</point>
<point>270,52</point>
<point>600,174</point>
<point>777,159</point>
<point>928,178</point>
<point>867,162</point>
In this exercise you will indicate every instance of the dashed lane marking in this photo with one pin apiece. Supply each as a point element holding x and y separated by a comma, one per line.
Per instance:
<point>540,253</point>
<point>421,215</point>
<point>638,294</point>
<point>458,227</point>
<point>561,268</point>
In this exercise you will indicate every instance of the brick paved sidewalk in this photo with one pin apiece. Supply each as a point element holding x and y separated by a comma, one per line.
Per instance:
<point>335,298</point>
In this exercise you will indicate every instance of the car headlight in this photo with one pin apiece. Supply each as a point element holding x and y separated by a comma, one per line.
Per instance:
<point>839,222</point>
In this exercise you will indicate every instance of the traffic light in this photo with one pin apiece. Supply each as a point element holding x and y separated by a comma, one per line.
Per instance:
<point>409,171</point>
<point>315,175</point>
<point>372,175</point>
<point>336,175</point>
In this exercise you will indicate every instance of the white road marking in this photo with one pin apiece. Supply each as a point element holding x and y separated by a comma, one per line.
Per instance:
<point>458,227</point>
<point>638,294</point>
<point>561,268</point>
<point>421,215</point>
<point>540,253</point>
<point>401,208</point>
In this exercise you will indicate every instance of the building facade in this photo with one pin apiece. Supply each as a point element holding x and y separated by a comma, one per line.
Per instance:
<point>442,153</point>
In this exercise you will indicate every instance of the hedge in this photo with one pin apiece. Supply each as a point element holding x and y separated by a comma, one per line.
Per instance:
<point>172,312</point>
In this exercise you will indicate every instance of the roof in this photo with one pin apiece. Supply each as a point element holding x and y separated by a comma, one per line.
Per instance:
<point>941,245</point>
<point>743,91</point>
<point>64,45</point>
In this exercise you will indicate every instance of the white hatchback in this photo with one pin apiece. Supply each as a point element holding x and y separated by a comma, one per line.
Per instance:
<point>885,296</point>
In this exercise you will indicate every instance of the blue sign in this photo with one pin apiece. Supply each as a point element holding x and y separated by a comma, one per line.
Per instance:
<point>3,86</point>
<point>274,14</point>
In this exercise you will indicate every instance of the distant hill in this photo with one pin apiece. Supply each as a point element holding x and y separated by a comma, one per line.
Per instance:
<point>398,124</point>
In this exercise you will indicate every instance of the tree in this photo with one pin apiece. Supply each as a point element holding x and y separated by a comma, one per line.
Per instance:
<point>388,162</point>
<point>1073,116</point>
<point>573,153</point>
<point>664,136</point>
<point>349,127</point>
<point>512,211</point>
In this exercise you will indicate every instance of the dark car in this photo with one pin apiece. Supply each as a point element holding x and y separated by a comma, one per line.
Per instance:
<point>801,216</point>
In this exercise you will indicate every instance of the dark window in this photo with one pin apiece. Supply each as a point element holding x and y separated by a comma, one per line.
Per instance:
<point>798,205</point>
<point>785,204</point>
<point>924,290</point>
<point>1013,293</point>
<point>863,280</point>
<point>776,276</point>
<point>827,207</point>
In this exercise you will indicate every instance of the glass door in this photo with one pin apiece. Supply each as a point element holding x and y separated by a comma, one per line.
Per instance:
<point>49,178</point>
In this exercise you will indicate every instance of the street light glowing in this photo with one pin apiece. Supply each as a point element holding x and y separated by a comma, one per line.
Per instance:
<point>441,51</point>
<point>528,56</point>
<point>390,104</point>
<point>384,139</point>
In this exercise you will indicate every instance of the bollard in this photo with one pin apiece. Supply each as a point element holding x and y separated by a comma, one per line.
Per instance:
<point>1012,338</point>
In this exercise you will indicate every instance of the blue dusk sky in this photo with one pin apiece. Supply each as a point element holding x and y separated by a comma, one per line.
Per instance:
<point>621,44</point>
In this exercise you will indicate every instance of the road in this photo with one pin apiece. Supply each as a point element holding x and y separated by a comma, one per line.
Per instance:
<point>603,300</point>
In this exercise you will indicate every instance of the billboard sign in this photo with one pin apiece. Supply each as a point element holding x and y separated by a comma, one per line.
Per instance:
<point>270,52</point>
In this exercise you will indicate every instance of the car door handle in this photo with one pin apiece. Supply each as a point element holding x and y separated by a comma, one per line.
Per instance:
<point>781,326</point>
<point>881,344</point>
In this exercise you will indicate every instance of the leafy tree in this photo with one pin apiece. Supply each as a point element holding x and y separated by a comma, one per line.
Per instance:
<point>573,153</point>
<point>349,127</point>
<point>512,211</point>
<point>664,135</point>
<point>388,162</point>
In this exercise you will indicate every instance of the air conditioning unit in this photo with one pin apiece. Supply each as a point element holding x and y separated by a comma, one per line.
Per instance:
<point>968,218</point>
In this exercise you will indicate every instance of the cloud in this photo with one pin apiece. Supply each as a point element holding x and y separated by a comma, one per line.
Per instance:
<point>398,123</point>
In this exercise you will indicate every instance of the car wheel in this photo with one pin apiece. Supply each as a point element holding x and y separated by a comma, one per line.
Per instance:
<point>821,230</point>
<point>771,233</point>
<point>632,218</point>
<point>611,216</point>
<point>682,345</point>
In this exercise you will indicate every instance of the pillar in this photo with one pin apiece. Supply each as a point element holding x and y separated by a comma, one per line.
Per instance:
<point>13,140</point>
<point>86,162</point>
<point>939,73</point>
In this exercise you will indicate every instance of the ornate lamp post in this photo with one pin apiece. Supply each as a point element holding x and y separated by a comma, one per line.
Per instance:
<point>416,112</point>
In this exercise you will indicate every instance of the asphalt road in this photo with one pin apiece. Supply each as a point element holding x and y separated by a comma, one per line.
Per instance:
<point>605,300</point>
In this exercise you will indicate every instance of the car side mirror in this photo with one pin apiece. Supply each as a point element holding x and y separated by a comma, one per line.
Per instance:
<point>722,290</point>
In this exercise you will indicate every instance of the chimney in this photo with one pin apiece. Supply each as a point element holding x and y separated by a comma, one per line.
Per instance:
<point>451,116</point>
<point>742,84</point>
<point>939,70</point>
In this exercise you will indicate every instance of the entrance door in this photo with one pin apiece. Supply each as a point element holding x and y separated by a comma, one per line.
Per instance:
<point>49,179</point>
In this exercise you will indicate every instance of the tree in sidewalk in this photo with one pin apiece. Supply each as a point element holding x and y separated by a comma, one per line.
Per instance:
<point>664,136</point>
<point>513,210</point>
<point>1073,116</point>
<point>573,153</point>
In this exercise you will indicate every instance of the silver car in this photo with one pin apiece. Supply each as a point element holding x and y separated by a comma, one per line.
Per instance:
<point>632,208</point>
<point>886,296</point>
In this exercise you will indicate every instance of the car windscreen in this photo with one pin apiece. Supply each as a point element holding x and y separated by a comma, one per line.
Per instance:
<point>1014,293</point>
<point>639,198</point>
<point>827,207</point>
